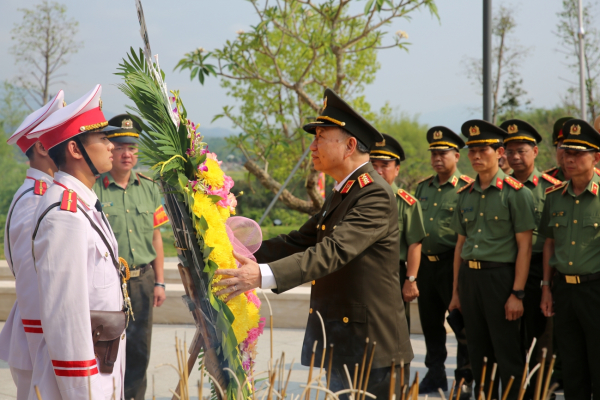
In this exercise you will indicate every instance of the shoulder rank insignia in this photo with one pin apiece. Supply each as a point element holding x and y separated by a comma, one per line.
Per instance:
<point>512,182</point>
<point>462,189</point>
<point>424,179</point>
<point>364,180</point>
<point>454,181</point>
<point>40,187</point>
<point>467,178</point>
<point>597,171</point>
<point>406,197</point>
<point>552,171</point>
<point>145,177</point>
<point>535,180</point>
<point>105,182</point>
<point>347,187</point>
<point>551,179</point>
<point>69,201</point>
<point>555,187</point>
<point>594,189</point>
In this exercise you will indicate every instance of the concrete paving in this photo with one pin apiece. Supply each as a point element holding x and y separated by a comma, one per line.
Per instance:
<point>284,340</point>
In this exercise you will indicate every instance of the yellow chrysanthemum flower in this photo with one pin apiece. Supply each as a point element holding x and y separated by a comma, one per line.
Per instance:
<point>215,177</point>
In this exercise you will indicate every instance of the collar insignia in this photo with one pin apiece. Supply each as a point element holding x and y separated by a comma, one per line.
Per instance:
<point>575,130</point>
<point>347,187</point>
<point>474,131</point>
<point>535,180</point>
<point>465,187</point>
<point>499,183</point>
<point>105,182</point>
<point>406,197</point>
<point>364,180</point>
<point>594,189</point>
<point>437,135</point>
<point>454,181</point>
<point>513,128</point>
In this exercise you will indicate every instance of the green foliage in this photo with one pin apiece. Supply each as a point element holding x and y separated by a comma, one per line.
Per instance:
<point>276,72</point>
<point>44,38</point>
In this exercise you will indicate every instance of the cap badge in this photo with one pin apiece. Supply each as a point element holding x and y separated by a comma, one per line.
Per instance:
<point>437,135</point>
<point>575,130</point>
<point>126,124</point>
<point>474,130</point>
<point>380,144</point>
<point>513,128</point>
<point>100,104</point>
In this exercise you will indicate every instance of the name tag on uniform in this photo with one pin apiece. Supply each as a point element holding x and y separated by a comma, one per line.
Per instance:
<point>558,214</point>
<point>423,198</point>
<point>107,204</point>
<point>468,209</point>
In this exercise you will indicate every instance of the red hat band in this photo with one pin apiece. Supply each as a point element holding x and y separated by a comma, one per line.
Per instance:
<point>89,120</point>
<point>25,144</point>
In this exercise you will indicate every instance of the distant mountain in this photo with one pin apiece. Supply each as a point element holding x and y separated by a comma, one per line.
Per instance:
<point>216,132</point>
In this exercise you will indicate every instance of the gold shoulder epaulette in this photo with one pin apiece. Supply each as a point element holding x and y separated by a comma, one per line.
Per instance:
<point>550,170</point>
<point>425,179</point>
<point>145,177</point>
<point>513,183</point>
<point>465,187</point>
<point>407,197</point>
<point>467,178</point>
<point>555,187</point>
<point>551,179</point>
<point>364,180</point>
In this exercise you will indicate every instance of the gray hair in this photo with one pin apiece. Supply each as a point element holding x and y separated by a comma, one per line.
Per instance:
<point>360,146</point>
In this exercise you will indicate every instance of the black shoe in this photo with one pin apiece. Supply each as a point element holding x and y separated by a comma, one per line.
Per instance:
<point>466,392</point>
<point>432,382</point>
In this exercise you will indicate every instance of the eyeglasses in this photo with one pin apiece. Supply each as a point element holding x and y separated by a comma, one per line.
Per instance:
<point>512,153</point>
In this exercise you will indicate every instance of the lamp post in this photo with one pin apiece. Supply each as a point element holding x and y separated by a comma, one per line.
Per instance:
<point>582,86</point>
<point>487,60</point>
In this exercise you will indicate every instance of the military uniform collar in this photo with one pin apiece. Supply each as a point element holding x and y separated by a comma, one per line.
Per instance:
<point>353,175</point>
<point>453,180</point>
<point>85,194</point>
<point>38,175</point>
<point>107,179</point>
<point>593,186</point>
<point>534,177</point>
<point>497,181</point>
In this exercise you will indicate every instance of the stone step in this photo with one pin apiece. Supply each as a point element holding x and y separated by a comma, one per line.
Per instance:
<point>290,309</point>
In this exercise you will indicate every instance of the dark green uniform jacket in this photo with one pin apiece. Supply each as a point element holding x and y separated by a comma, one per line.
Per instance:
<point>350,248</point>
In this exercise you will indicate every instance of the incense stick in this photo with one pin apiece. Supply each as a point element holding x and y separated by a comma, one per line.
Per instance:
<point>392,391</point>
<point>548,376</point>
<point>459,389</point>
<point>362,366</point>
<point>482,382</point>
<point>401,373</point>
<point>288,379</point>
<point>540,377</point>
<point>310,371</point>
<point>452,389</point>
<point>506,390</point>
<point>369,370</point>
<point>355,376</point>
<point>329,365</point>
<point>492,378</point>
<point>37,392</point>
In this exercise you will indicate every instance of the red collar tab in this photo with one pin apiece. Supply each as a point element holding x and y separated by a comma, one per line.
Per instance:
<point>105,182</point>
<point>406,197</point>
<point>39,187</point>
<point>347,187</point>
<point>512,182</point>
<point>499,183</point>
<point>454,181</point>
<point>594,189</point>
<point>535,180</point>
<point>566,187</point>
<point>551,179</point>
<point>69,201</point>
<point>364,180</point>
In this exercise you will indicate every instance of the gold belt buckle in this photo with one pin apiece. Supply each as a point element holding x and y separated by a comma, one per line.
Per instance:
<point>572,279</point>
<point>433,258</point>
<point>474,264</point>
<point>134,273</point>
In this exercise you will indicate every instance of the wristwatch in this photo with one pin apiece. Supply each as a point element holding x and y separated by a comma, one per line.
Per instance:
<point>519,294</point>
<point>411,278</point>
<point>544,283</point>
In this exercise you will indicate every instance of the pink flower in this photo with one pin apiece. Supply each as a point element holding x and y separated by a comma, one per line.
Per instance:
<point>203,168</point>
<point>232,200</point>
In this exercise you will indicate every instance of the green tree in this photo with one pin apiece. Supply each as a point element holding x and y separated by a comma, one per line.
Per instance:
<point>568,32</point>
<point>508,95</point>
<point>277,72</point>
<point>44,39</point>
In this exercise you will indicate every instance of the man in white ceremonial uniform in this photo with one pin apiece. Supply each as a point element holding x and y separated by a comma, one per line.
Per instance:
<point>22,331</point>
<point>75,255</point>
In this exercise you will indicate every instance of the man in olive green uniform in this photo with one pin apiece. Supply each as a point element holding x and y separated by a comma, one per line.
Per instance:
<point>558,172</point>
<point>386,157</point>
<point>350,252</point>
<point>133,205</point>
<point>494,221</point>
<point>438,196</point>
<point>521,150</point>
<point>570,222</point>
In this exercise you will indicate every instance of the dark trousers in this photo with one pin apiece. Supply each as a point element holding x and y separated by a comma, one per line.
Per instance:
<point>139,335</point>
<point>577,330</point>
<point>403,271</point>
<point>379,381</point>
<point>535,324</point>
<point>435,294</point>
<point>483,294</point>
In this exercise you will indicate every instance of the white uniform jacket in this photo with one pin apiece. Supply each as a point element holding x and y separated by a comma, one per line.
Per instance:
<point>22,333</point>
<point>75,274</point>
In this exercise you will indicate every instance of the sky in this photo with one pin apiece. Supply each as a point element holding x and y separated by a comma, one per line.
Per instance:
<point>429,80</point>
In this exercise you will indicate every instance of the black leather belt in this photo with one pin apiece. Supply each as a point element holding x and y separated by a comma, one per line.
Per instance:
<point>139,270</point>
<point>577,279</point>
<point>473,264</point>
<point>441,256</point>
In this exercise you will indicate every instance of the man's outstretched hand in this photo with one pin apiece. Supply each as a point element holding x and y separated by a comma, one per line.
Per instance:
<point>238,281</point>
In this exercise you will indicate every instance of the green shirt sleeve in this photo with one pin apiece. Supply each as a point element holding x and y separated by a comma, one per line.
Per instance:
<point>414,231</point>
<point>457,224</point>
<point>545,221</point>
<point>522,210</point>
